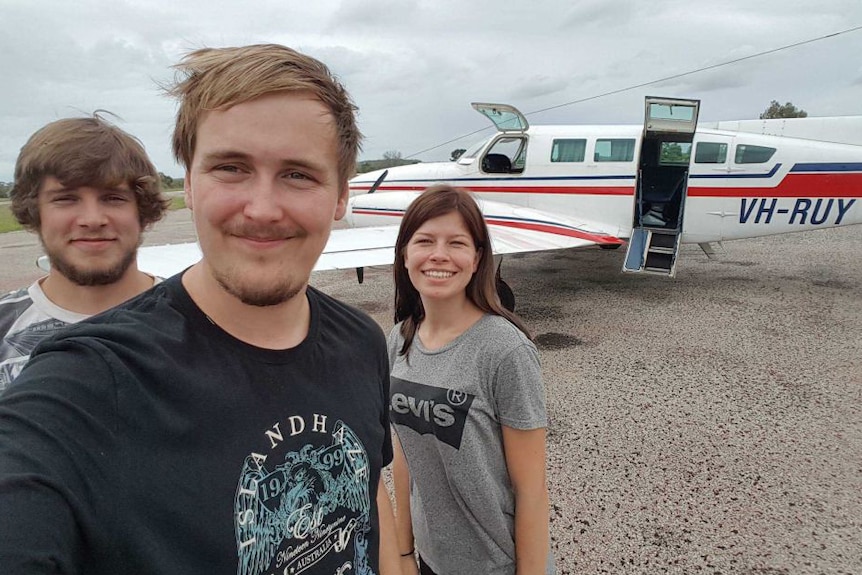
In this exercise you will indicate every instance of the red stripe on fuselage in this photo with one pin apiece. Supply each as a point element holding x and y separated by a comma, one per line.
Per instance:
<point>815,185</point>
<point>792,186</point>
<point>581,190</point>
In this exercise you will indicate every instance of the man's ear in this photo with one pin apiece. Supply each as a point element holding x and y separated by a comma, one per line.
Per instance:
<point>341,206</point>
<point>187,190</point>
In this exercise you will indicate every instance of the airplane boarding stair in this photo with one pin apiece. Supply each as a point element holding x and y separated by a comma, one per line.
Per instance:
<point>662,183</point>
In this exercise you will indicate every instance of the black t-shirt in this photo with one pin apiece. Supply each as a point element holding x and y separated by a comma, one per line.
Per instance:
<point>148,440</point>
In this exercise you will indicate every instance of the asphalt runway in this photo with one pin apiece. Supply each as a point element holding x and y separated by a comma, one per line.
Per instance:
<point>706,424</point>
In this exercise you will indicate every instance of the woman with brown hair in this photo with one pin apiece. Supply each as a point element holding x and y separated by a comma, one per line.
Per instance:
<point>466,401</point>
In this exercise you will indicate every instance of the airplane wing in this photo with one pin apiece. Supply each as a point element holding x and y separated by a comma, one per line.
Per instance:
<point>513,230</point>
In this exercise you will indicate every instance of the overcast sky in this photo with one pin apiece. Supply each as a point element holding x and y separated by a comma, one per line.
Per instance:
<point>414,66</point>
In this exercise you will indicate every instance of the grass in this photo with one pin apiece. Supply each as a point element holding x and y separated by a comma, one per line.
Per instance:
<point>7,220</point>
<point>8,223</point>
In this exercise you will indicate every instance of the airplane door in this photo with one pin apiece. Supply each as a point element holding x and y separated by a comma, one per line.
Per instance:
<point>661,185</point>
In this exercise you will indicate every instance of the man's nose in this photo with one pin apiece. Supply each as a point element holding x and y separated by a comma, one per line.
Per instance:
<point>262,202</point>
<point>92,213</point>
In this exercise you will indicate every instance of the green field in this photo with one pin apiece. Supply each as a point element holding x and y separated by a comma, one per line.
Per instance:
<point>8,223</point>
<point>7,220</point>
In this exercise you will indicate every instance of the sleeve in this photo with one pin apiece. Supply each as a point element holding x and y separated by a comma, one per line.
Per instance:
<point>518,389</point>
<point>55,430</point>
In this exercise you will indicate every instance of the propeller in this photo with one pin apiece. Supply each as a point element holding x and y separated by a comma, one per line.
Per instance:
<point>360,272</point>
<point>379,181</point>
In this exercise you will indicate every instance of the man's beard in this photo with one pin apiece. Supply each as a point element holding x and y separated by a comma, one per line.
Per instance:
<point>257,296</point>
<point>96,277</point>
<point>251,292</point>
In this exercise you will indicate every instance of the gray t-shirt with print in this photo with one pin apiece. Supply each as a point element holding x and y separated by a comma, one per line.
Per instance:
<point>447,407</point>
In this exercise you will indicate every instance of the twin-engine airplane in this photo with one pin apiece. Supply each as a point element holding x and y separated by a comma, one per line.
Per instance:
<point>653,187</point>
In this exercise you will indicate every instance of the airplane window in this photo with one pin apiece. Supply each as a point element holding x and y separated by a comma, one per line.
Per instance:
<point>665,111</point>
<point>520,158</point>
<point>747,154</point>
<point>710,153</point>
<point>568,150</point>
<point>674,153</point>
<point>515,148</point>
<point>614,150</point>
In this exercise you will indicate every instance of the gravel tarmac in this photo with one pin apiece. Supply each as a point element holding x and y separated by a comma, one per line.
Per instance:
<point>707,424</point>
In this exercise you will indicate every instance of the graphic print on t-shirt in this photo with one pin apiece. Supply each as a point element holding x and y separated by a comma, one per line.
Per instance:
<point>430,410</point>
<point>15,349</point>
<point>24,341</point>
<point>309,511</point>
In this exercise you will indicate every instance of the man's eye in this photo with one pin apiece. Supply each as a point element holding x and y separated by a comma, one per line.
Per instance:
<point>63,199</point>
<point>227,168</point>
<point>297,176</point>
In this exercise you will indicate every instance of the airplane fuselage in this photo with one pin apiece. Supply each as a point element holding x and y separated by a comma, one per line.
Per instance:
<point>740,184</point>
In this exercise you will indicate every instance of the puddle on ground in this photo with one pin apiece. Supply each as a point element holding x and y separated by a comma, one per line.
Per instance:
<point>553,340</point>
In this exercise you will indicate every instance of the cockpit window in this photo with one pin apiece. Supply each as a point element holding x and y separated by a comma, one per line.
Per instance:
<point>514,148</point>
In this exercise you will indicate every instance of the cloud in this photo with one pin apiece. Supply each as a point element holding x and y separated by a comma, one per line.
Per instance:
<point>414,66</point>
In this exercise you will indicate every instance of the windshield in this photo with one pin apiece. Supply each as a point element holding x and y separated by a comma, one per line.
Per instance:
<point>473,151</point>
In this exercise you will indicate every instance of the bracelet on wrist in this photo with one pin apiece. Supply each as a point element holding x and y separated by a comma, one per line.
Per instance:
<point>409,553</point>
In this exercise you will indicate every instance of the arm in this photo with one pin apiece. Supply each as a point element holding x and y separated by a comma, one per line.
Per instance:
<point>52,426</point>
<point>389,561</point>
<point>525,461</point>
<point>403,522</point>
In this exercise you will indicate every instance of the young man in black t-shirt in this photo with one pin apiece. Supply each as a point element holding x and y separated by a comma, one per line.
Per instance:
<point>232,419</point>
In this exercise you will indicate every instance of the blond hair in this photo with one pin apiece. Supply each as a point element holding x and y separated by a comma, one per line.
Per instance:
<point>219,78</point>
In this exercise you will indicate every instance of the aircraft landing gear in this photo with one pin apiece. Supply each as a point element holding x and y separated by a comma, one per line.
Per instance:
<point>507,296</point>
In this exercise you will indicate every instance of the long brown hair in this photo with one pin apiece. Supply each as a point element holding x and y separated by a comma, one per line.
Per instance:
<point>434,202</point>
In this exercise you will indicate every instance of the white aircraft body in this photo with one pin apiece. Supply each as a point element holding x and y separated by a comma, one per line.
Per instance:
<point>652,187</point>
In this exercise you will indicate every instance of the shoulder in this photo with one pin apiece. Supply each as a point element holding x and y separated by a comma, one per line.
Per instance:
<point>12,304</point>
<point>342,318</point>
<point>394,340</point>
<point>15,296</point>
<point>496,343</point>
<point>144,316</point>
<point>500,332</point>
<point>395,333</point>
